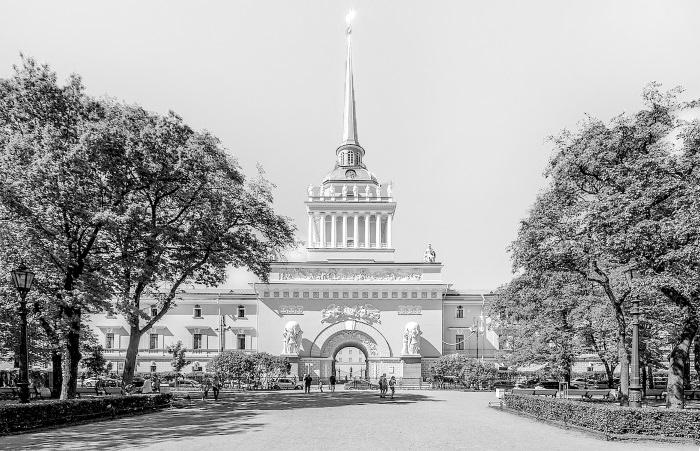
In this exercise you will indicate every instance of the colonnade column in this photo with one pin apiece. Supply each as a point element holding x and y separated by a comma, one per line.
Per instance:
<point>345,230</point>
<point>310,236</point>
<point>333,235</point>
<point>389,219</point>
<point>367,230</point>
<point>323,230</point>
<point>356,231</point>
<point>378,231</point>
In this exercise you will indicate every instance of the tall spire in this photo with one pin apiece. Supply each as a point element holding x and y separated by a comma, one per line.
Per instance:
<point>349,118</point>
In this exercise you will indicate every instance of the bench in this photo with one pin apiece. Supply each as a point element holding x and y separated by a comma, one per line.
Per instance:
<point>8,393</point>
<point>658,393</point>
<point>690,394</point>
<point>86,391</point>
<point>112,390</point>
<point>41,393</point>
<point>523,391</point>
<point>546,392</point>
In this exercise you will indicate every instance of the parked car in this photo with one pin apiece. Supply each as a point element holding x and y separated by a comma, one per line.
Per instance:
<point>104,382</point>
<point>286,384</point>
<point>580,384</point>
<point>547,385</point>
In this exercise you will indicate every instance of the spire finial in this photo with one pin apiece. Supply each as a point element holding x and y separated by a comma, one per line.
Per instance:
<point>349,119</point>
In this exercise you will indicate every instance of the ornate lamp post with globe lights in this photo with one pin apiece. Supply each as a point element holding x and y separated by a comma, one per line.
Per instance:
<point>22,279</point>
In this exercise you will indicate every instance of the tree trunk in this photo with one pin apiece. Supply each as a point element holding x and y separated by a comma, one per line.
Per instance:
<point>696,355</point>
<point>609,372</point>
<point>678,360</point>
<point>651,376</point>
<point>132,352</point>
<point>643,371</point>
<point>624,369</point>
<point>71,355</point>
<point>686,373</point>
<point>56,375</point>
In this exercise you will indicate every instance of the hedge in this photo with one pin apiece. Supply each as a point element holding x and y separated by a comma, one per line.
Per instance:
<point>17,417</point>
<point>609,418</point>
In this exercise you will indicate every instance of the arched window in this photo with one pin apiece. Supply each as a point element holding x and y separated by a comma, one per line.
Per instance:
<point>460,312</point>
<point>241,311</point>
<point>197,311</point>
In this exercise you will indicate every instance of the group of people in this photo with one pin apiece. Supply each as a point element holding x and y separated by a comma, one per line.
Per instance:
<point>308,380</point>
<point>211,385</point>
<point>386,385</point>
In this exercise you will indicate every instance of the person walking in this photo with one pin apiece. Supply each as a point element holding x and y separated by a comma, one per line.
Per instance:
<point>307,383</point>
<point>331,380</point>
<point>206,386</point>
<point>216,386</point>
<point>392,386</point>
<point>320,385</point>
<point>382,385</point>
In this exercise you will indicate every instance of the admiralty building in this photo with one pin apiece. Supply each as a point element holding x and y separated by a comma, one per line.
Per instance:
<point>396,317</point>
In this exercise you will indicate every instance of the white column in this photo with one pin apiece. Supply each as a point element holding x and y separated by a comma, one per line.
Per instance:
<point>356,231</point>
<point>345,230</point>
<point>378,231</point>
<point>367,230</point>
<point>310,235</point>
<point>389,219</point>
<point>333,231</point>
<point>323,230</point>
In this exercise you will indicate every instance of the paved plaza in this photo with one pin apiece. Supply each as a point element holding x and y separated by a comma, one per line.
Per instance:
<point>344,420</point>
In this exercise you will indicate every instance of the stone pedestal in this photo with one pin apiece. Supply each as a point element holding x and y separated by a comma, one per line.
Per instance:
<point>411,368</point>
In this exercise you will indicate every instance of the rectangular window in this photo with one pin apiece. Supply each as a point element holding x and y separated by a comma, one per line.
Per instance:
<point>109,344</point>
<point>459,339</point>
<point>197,341</point>
<point>197,311</point>
<point>241,341</point>
<point>154,311</point>
<point>460,312</point>
<point>153,343</point>
<point>241,311</point>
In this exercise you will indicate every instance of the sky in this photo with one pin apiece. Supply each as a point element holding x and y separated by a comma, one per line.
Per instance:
<point>455,99</point>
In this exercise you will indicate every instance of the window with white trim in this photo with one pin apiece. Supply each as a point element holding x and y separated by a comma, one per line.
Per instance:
<point>241,311</point>
<point>460,312</point>
<point>109,342</point>
<point>197,341</point>
<point>197,311</point>
<point>459,339</point>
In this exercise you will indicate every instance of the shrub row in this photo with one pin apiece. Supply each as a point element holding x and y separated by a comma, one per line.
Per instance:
<point>609,418</point>
<point>17,417</point>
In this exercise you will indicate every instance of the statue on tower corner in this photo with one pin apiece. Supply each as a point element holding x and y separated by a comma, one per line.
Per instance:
<point>331,191</point>
<point>388,190</point>
<point>354,190</point>
<point>379,190</point>
<point>311,190</point>
<point>345,190</point>
<point>366,190</point>
<point>429,256</point>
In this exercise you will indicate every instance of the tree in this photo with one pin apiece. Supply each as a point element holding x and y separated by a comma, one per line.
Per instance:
<point>639,178</point>
<point>231,365</point>
<point>62,184</point>
<point>95,362</point>
<point>179,360</point>
<point>538,311</point>
<point>472,372</point>
<point>192,216</point>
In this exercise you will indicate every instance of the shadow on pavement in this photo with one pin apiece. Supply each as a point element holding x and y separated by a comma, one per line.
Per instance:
<point>228,416</point>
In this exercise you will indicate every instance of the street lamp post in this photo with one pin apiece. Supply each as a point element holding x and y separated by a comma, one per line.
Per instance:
<point>635,393</point>
<point>22,279</point>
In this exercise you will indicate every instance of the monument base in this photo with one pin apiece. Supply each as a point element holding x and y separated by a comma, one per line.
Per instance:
<point>411,369</point>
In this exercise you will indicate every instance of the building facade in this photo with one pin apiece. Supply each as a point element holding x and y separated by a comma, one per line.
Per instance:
<point>349,292</point>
